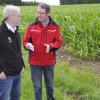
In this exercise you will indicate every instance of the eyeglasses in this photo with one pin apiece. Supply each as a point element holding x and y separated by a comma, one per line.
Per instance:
<point>42,13</point>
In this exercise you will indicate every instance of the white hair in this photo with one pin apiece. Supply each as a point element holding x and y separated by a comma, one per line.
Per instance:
<point>10,10</point>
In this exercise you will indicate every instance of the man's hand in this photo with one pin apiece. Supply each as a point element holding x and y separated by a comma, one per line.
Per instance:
<point>30,46</point>
<point>2,76</point>
<point>47,47</point>
<point>22,70</point>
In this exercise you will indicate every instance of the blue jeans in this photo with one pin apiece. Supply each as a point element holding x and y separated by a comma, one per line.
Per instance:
<point>10,88</point>
<point>36,73</point>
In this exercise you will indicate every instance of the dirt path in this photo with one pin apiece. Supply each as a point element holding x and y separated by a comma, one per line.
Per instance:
<point>76,62</point>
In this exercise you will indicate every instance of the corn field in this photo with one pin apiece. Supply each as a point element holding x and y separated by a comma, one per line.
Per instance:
<point>81,29</point>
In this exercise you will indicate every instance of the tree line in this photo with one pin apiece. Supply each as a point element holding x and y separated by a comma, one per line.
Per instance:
<point>79,1</point>
<point>20,3</point>
<point>17,2</point>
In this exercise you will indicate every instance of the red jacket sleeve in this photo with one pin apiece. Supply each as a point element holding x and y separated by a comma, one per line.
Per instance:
<point>57,41</point>
<point>27,37</point>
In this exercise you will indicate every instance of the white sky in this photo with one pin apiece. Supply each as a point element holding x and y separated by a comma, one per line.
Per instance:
<point>50,2</point>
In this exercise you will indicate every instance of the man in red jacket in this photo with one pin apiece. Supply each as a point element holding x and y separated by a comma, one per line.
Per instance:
<point>42,39</point>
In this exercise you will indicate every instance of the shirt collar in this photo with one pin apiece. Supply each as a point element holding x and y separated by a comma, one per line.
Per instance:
<point>10,27</point>
<point>49,21</point>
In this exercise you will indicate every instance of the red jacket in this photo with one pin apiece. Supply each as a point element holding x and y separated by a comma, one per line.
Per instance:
<point>38,36</point>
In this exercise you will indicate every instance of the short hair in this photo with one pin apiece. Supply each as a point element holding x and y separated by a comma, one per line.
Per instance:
<point>45,6</point>
<point>10,10</point>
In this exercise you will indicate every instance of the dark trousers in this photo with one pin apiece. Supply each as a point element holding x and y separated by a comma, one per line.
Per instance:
<point>36,73</point>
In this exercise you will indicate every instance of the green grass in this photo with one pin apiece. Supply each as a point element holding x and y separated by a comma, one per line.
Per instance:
<point>70,84</point>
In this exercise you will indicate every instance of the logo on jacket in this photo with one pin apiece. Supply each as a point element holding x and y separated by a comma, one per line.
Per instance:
<point>9,39</point>
<point>32,30</point>
<point>52,30</point>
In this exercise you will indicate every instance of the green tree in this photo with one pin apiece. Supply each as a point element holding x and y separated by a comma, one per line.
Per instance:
<point>14,2</point>
<point>79,1</point>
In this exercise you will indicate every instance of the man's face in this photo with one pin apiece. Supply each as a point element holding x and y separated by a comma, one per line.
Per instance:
<point>42,15</point>
<point>16,19</point>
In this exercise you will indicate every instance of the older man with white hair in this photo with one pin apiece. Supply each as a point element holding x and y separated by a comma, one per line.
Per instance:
<point>11,62</point>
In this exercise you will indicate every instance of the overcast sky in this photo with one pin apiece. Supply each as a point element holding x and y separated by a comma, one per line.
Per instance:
<point>50,2</point>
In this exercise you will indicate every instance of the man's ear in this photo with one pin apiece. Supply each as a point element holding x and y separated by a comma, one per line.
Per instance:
<point>48,14</point>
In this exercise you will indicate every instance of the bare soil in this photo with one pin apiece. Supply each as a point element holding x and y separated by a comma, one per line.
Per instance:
<point>76,62</point>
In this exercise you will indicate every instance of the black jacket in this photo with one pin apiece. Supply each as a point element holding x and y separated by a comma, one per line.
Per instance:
<point>11,61</point>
